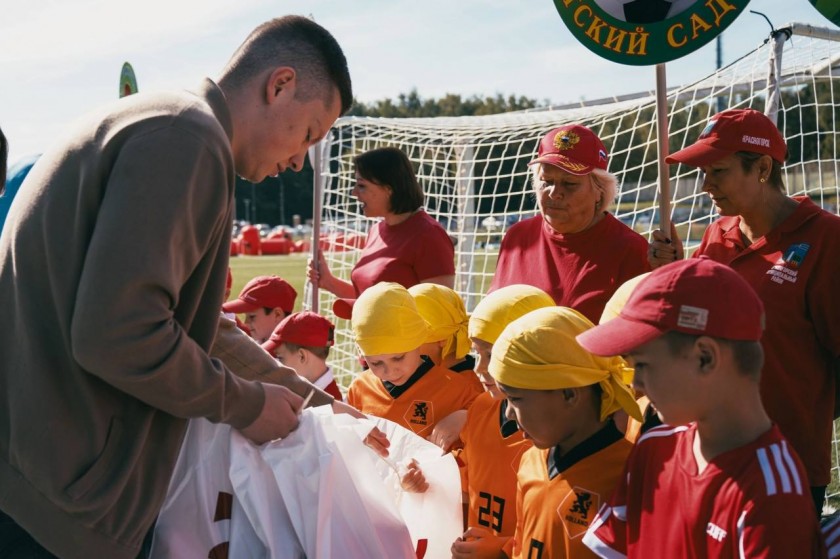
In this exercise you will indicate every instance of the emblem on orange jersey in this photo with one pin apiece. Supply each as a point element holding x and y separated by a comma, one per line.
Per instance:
<point>577,511</point>
<point>564,140</point>
<point>419,415</point>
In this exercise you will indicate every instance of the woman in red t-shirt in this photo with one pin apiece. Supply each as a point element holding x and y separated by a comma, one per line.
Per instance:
<point>574,250</point>
<point>407,246</point>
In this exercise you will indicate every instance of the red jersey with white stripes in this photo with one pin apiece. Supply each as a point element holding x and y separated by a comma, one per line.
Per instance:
<point>752,501</point>
<point>831,535</point>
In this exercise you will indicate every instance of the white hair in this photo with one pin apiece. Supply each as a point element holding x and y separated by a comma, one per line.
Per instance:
<point>604,181</point>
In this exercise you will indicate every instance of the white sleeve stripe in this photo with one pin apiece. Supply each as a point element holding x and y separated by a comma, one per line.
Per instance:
<point>662,432</point>
<point>780,466</point>
<point>620,513</point>
<point>769,480</point>
<point>792,468</point>
<point>831,532</point>
<point>740,526</point>
<point>599,548</point>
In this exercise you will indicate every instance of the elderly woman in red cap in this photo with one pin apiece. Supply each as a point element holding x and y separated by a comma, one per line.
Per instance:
<point>788,249</point>
<point>575,250</point>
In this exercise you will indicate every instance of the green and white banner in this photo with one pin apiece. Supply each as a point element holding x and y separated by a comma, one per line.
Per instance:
<point>647,32</point>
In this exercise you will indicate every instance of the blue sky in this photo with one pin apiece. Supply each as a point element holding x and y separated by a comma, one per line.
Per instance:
<point>61,58</point>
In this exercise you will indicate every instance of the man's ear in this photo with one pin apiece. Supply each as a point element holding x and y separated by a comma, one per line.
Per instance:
<point>280,82</point>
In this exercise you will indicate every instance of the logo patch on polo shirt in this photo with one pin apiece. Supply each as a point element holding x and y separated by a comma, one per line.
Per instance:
<point>787,267</point>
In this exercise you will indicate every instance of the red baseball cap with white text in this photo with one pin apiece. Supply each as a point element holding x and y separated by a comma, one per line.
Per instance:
<point>574,148</point>
<point>731,131</point>
<point>696,296</point>
<point>306,329</point>
<point>263,292</point>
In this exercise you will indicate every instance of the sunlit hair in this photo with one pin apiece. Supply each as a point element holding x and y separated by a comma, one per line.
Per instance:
<point>748,160</point>
<point>301,44</point>
<point>604,181</point>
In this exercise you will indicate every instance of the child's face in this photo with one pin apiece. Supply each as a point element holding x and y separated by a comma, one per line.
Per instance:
<point>291,359</point>
<point>668,379</point>
<point>482,351</point>
<point>395,368</point>
<point>542,415</point>
<point>262,324</point>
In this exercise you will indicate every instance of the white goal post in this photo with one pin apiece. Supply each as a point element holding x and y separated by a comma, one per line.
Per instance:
<point>474,169</point>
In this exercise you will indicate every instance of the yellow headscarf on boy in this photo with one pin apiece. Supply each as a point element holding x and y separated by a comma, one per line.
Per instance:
<point>613,309</point>
<point>444,310</point>
<point>385,320</point>
<point>539,352</point>
<point>503,306</point>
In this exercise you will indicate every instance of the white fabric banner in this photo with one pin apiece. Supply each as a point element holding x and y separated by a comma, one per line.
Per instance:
<point>319,493</point>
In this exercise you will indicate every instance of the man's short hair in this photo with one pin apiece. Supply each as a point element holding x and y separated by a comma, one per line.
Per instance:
<point>299,43</point>
<point>748,355</point>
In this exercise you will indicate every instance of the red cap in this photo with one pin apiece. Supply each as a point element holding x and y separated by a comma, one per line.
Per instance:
<point>263,292</point>
<point>732,131</point>
<point>696,296</point>
<point>343,308</point>
<point>574,148</point>
<point>302,328</point>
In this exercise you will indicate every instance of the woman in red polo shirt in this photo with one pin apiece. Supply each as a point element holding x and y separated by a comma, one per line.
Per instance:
<point>787,248</point>
<point>407,246</point>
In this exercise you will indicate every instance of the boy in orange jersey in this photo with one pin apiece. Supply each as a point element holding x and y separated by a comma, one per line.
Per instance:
<point>632,428</point>
<point>563,398</point>
<point>447,344</point>
<point>493,444</point>
<point>401,384</point>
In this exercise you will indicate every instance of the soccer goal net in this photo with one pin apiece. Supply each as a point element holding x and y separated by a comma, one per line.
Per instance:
<point>475,175</point>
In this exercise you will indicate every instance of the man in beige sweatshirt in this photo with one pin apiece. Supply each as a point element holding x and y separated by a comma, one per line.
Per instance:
<point>113,262</point>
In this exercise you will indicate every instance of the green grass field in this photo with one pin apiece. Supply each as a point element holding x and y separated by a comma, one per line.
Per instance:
<point>291,268</point>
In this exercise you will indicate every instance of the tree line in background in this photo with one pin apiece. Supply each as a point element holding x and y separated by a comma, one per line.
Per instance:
<point>810,131</point>
<point>277,199</point>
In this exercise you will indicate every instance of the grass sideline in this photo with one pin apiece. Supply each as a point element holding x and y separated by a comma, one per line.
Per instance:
<point>291,268</point>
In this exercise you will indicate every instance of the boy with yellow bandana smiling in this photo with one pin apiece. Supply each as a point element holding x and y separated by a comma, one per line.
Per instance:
<point>563,398</point>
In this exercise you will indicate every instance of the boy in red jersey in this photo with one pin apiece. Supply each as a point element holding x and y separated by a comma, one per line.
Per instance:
<point>719,479</point>
<point>563,398</point>
<point>302,342</point>
<point>265,301</point>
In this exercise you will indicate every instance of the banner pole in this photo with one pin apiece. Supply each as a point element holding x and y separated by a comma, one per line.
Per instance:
<point>662,150</point>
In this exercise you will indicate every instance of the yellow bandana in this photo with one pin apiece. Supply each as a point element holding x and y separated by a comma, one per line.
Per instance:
<point>538,352</point>
<point>503,306</point>
<point>613,309</point>
<point>444,310</point>
<point>385,320</point>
